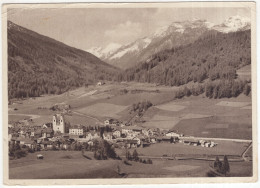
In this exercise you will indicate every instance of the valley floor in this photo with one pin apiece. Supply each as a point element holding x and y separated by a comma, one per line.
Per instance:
<point>193,116</point>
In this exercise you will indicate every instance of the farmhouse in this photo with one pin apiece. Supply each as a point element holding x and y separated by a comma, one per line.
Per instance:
<point>100,83</point>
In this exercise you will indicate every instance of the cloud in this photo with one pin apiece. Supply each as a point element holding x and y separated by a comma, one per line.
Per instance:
<point>125,32</point>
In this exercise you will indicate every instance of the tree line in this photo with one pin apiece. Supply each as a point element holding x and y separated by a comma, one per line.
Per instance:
<point>216,89</point>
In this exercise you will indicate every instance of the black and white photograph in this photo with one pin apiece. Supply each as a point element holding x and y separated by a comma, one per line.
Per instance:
<point>130,91</point>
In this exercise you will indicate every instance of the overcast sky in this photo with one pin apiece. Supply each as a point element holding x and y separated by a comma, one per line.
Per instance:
<point>87,27</point>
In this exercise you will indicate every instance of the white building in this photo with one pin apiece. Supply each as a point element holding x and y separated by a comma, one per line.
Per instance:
<point>76,130</point>
<point>117,133</point>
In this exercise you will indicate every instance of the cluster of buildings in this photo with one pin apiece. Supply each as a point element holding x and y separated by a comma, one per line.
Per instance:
<point>58,134</point>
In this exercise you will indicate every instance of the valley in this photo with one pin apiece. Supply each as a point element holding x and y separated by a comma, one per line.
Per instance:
<point>175,103</point>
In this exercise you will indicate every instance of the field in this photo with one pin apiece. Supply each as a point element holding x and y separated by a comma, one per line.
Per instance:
<point>203,117</point>
<point>223,148</point>
<point>103,109</point>
<point>59,165</point>
<point>64,164</point>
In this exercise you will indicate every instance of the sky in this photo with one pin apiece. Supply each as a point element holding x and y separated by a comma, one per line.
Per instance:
<point>84,28</point>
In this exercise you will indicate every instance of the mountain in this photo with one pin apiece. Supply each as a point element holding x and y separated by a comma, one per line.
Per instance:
<point>233,24</point>
<point>103,53</point>
<point>213,56</point>
<point>175,35</point>
<point>38,65</point>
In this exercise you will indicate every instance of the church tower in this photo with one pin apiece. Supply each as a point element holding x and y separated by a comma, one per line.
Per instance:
<point>58,123</point>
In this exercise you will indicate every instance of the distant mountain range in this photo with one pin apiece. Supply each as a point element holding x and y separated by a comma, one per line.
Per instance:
<point>213,56</point>
<point>39,65</point>
<point>174,35</point>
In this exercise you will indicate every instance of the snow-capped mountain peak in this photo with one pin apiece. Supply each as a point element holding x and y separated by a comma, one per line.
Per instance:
<point>104,52</point>
<point>180,27</point>
<point>136,46</point>
<point>233,24</point>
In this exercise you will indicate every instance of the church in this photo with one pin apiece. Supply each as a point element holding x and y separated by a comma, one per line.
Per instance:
<point>58,123</point>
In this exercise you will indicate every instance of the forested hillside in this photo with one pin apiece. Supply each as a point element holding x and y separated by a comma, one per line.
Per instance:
<point>213,56</point>
<point>40,65</point>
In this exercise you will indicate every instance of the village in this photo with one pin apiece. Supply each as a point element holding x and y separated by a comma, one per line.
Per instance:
<point>61,135</point>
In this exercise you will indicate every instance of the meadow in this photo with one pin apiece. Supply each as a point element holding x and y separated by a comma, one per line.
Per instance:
<point>61,165</point>
<point>72,165</point>
<point>179,149</point>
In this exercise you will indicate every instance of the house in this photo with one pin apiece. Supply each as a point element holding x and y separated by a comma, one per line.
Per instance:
<point>10,126</point>
<point>164,139</point>
<point>131,131</point>
<point>39,156</point>
<point>46,145</point>
<point>100,83</point>
<point>37,133</point>
<point>147,131</point>
<point>92,135</point>
<point>76,130</point>
<point>32,133</point>
<point>172,134</point>
<point>111,122</point>
<point>117,133</point>
<point>28,142</point>
<point>47,125</point>
<point>153,139</point>
<point>126,130</point>
<point>107,136</point>
<point>47,133</point>
<point>138,140</point>
<point>108,122</point>
<point>131,143</point>
<point>137,130</point>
